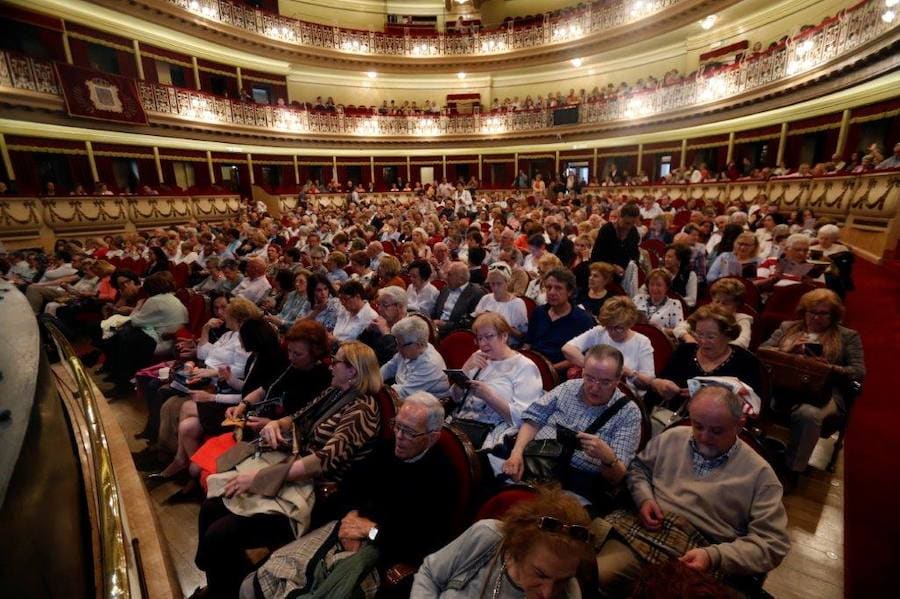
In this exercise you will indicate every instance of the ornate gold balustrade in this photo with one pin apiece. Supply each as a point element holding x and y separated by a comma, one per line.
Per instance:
<point>582,21</point>
<point>28,221</point>
<point>812,51</point>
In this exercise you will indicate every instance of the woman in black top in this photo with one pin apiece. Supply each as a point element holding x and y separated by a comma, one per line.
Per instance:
<point>711,355</point>
<point>159,262</point>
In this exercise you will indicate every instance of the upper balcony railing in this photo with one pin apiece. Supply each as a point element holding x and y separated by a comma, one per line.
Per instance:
<point>574,24</point>
<point>834,38</point>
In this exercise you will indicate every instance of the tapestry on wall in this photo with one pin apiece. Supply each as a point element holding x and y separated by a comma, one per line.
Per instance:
<point>96,95</point>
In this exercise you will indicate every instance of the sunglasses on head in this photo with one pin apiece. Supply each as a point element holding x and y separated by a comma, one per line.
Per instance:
<point>576,531</point>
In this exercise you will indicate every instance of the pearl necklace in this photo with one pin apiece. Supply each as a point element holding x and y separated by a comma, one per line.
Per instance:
<point>499,584</point>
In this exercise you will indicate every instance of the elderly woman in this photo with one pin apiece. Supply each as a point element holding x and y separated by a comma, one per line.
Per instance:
<point>617,317</point>
<point>421,294</point>
<point>391,308</point>
<point>296,302</point>
<point>324,304</point>
<point>818,325</point>
<point>389,272</point>
<point>592,297</point>
<point>792,267</point>
<point>712,355</point>
<point>545,264</point>
<point>677,260</point>
<point>504,303</point>
<point>654,303</point>
<point>742,261</point>
<point>417,366</point>
<point>501,384</point>
<point>130,348</point>
<point>729,295</point>
<point>335,433</point>
<point>535,551</point>
<point>420,244</point>
<point>828,242</point>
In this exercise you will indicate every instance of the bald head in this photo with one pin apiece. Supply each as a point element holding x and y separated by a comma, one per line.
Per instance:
<point>716,419</point>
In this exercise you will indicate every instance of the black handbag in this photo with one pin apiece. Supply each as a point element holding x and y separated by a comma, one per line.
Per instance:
<point>476,431</point>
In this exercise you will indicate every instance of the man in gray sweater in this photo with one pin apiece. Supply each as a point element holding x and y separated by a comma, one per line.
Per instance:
<point>721,494</point>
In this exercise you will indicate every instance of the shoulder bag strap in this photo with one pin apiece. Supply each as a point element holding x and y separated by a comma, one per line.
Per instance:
<point>606,416</point>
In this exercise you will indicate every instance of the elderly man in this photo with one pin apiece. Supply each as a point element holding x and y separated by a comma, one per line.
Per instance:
<point>416,366</point>
<point>557,321</point>
<point>394,521</point>
<point>706,488</point>
<point>255,285</point>
<point>457,300</point>
<point>440,260</point>
<point>607,421</point>
<point>391,304</point>
<point>375,251</point>
<point>63,270</point>
<point>355,314</point>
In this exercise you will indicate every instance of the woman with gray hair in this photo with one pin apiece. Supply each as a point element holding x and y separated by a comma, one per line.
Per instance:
<point>417,366</point>
<point>828,242</point>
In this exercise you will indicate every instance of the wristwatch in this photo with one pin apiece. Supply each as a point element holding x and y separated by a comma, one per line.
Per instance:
<point>609,464</point>
<point>373,532</point>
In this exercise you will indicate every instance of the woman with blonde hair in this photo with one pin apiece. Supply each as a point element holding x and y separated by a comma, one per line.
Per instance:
<point>329,436</point>
<point>537,550</point>
<point>502,302</point>
<point>818,333</point>
<point>420,244</point>
<point>742,261</point>
<point>727,293</point>
<point>617,317</point>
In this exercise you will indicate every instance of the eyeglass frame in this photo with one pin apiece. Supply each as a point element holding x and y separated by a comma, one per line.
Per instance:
<point>399,428</point>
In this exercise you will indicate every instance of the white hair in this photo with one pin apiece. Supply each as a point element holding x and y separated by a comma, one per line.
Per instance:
<point>831,231</point>
<point>796,238</point>
<point>395,294</point>
<point>411,329</point>
<point>434,417</point>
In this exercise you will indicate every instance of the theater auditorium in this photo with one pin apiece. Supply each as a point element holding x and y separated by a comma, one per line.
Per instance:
<point>505,299</point>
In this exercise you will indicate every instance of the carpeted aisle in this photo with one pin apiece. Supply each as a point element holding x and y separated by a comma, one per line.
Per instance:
<point>872,458</point>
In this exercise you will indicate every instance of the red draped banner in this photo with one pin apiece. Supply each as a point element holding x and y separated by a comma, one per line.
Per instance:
<point>95,95</point>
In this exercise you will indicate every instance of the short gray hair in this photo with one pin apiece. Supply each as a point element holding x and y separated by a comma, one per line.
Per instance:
<point>795,239</point>
<point>832,231</point>
<point>434,418</point>
<point>411,329</point>
<point>724,397</point>
<point>395,294</point>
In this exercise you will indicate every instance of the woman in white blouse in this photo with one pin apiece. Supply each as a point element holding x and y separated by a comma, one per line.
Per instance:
<point>421,294</point>
<point>617,316</point>
<point>654,304</point>
<point>502,382</point>
<point>729,294</point>
<point>504,303</point>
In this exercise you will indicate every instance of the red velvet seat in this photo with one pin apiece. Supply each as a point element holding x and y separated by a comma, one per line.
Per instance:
<point>497,506</point>
<point>549,376</point>
<point>387,402</point>
<point>662,346</point>
<point>456,348</point>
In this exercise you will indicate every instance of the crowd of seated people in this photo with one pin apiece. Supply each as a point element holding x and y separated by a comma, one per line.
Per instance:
<point>248,322</point>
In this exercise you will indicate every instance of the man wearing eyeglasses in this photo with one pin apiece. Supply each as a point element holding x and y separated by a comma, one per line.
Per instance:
<point>394,521</point>
<point>580,405</point>
<point>704,497</point>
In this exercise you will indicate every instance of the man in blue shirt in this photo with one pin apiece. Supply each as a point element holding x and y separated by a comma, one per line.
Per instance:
<point>557,321</point>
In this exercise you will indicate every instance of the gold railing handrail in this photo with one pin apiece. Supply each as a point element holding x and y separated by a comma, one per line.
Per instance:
<point>113,553</point>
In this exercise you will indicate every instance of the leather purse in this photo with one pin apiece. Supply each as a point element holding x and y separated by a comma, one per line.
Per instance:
<point>797,379</point>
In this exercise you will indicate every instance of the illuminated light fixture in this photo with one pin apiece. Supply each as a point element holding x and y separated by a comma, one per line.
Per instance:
<point>888,16</point>
<point>804,47</point>
<point>891,3</point>
<point>371,74</point>
<point>708,22</point>
<point>461,75</point>
<point>639,7</point>
<point>576,62</point>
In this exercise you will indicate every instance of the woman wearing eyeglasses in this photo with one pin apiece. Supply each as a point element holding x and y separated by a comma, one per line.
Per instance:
<point>818,332</point>
<point>502,384</point>
<point>502,302</point>
<point>534,552</point>
<point>334,433</point>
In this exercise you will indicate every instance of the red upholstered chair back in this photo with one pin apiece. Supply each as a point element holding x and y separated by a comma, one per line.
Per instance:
<point>662,347</point>
<point>198,313</point>
<point>549,376</point>
<point>751,293</point>
<point>530,306</point>
<point>183,295</point>
<point>387,402</point>
<point>439,284</point>
<point>456,348</point>
<point>497,506</point>
<point>781,306</point>
<point>466,470</point>
<point>180,272</point>
<point>654,246</point>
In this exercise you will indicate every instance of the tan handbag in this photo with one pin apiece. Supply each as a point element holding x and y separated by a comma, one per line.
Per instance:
<point>797,379</point>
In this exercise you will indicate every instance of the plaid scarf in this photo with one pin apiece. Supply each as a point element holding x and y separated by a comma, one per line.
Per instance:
<point>675,537</point>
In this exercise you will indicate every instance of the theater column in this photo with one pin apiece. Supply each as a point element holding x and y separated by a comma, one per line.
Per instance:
<point>444,164</point>
<point>196,72</point>
<point>250,168</point>
<point>594,172</point>
<point>683,160</point>
<point>730,154</point>
<point>782,142</point>
<point>408,171</point>
<point>65,39</point>
<point>640,157</point>
<point>138,62</point>
<point>91,162</point>
<point>842,134</point>
<point>209,164</point>
<point>7,163</point>
<point>480,175</point>
<point>240,80</point>
<point>296,170</point>
<point>371,169</point>
<point>158,162</point>
<point>557,163</point>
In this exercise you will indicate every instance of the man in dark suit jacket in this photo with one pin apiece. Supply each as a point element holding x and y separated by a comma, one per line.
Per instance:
<point>457,299</point>
<point>560,245</point>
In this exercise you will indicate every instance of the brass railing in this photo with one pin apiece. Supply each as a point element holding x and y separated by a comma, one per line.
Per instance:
<point>114,571</point>
<point>572,24</point>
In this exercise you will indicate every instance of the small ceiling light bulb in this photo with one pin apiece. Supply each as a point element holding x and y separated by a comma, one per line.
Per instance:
<point>891,3</point>
<point>576,62</point>
<point>371,74</point>
<point>460,75</point>
<point>708,22</point>
<point>888,16</point>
